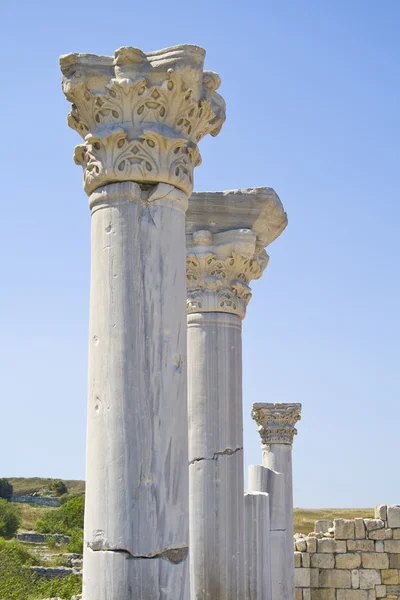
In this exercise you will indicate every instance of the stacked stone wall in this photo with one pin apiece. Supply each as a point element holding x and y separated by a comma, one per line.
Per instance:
<point>357,559</point>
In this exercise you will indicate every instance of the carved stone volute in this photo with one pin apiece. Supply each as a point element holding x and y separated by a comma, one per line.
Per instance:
<point>141,115</point>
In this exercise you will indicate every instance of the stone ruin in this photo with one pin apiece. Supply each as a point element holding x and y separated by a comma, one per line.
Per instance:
<point>166,514</point>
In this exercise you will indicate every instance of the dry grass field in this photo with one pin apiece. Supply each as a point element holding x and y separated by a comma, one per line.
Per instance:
<point>304,518</point>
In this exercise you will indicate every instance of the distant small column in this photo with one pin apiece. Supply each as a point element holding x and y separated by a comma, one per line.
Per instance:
<point>257,555</point>
<point>276,426</point>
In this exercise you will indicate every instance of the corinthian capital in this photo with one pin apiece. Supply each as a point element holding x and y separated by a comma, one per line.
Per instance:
<point>276,422</point>
<point>141,114</point>
<point>226,233</point>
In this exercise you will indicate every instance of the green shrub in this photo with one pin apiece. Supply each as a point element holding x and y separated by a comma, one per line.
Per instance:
<point>59,487</point>
<point>76,544</point>
<point>6,489</point>
<point>66,497</point>
<point>10,518</point>
<point>64,520</point>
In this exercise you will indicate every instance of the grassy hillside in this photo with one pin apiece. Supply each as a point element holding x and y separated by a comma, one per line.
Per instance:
<point>304,518</point>
<point>28,485</point>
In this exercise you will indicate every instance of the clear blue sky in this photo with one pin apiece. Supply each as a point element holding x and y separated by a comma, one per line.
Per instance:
<point>313,95</point>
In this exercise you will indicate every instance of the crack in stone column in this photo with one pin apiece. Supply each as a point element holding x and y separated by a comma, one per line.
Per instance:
<point>226,452</point>
<point>173,555</point>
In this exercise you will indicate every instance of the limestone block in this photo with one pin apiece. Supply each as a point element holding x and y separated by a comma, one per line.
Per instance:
<point>301,545</point>
<point>305,559</point>
<point>323,526</point>
<point>360,545</point>
<point>374,560</point>
<point>379,547</point>
<point>359,527</point>
<point>393,515</point>
<point>297,560</point>
<point>392,546</point>
<point>344,529</point>
<point>326,545</point>
<point>352,595</point>
<point>340,546</point>
<point>334,578</point>
<point>390,576</point>
<point>306,594</point>
<point>317,594</point>
<point>348,561</point>
<point>355,579</point>
<point>314,578</point>
<point>298,594</point>
<point>380,591</point>
<point>369,578</point>
<point>311,544</point>
<point>381,512</point>
<point>372,524</point>
<point>380,534</point>
<point>323,561</point>
<point>393,589</point>
<point>371,595</point>
<point>394,561</point>
<point>396,534</point>
<point>302,578</point>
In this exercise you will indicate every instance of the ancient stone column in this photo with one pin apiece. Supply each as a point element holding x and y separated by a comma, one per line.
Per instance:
<point>141,117</point>
<point>226,233</point>
<point>276,426</point>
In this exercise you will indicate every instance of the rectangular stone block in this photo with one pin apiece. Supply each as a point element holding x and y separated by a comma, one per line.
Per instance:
<point>352,595</point>
<point>311,544</point>
<point>326,545</point>
<point>306,594</point>
<point>350,560</point>
<point>372,524</point>
<point>298,594</point>
<point>380,591</point>
<point>371,595</point>
<point>322,594</point>
<point>359,529</point>
<point>305,559</point>
<point>396,534</point>
<point>369,578</point>
<point>379,547</point>
<point>381,512</point>
<point>355,579</point>
<point>375,560</point>
<point>323,560</point>
<point>393,515</point>
<point>394,561</point>
<point>390,576</point>
<point>393,589</point>
<point>314,578</point>
<point>322,526</point>
<point>380,534</point>
<point>344,529</point>
<point>334,578</point>
<point>360,545</point>
<point>297,560</point>
<point>392,546</point>
<point>302,578</point>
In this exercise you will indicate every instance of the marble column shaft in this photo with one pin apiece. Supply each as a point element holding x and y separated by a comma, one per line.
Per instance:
<point>276,426</point>
<point>225,236</point>
<point>141,116</point>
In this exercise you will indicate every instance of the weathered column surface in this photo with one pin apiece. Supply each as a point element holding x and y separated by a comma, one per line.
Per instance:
<point>276,426</point>
<point>141,116</point>
<point>226,233</point>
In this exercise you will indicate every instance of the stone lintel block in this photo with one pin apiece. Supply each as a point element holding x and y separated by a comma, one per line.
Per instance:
<point>297,560</point>
<point>349,560</point>
<point>390,576</point>
<point>369,578</point>
<point>381,512</point>
<point>344,529</point>
<point>359,529</point>
<point>352,595</point>
<point>372,524</point>
<point>380,534</point>
<point>380,591</point>
<point>323,526</point>
<point>394,561</point>
<point>374,560</point>
<point>334,578</point>
<point>321,594</point>
<point>393,515</point>
<point>323,560</point>
<point>392,546</point>
<point>360,545</point>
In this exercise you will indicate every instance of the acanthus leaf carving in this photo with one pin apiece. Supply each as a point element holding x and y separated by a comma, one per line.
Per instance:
<point>276,422</point>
